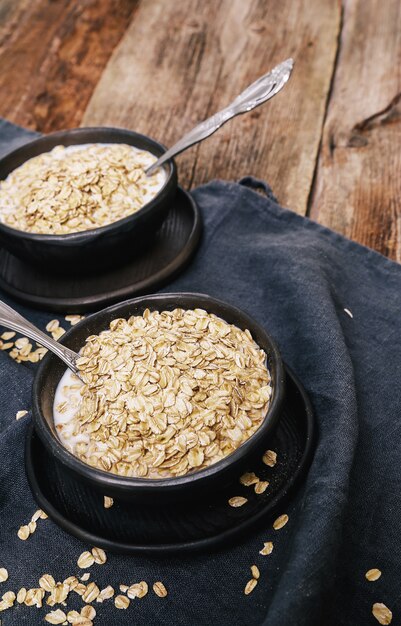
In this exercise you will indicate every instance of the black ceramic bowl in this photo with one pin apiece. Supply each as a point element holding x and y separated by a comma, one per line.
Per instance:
<point>212,477</point>
<point>99,248</point>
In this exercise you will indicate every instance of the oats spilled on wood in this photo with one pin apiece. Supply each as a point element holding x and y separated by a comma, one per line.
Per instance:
<point>267,548</point>
<point>280,522</point>
<point>382,613</point>
<point>78,188</point>
<point>373,574</point>
<point>167,393</point>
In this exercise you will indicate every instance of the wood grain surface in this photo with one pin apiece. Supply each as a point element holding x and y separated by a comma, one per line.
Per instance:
<point>358,184</point>
<point>52,53</point>
<point>199,56</point>
<point>329,144</point>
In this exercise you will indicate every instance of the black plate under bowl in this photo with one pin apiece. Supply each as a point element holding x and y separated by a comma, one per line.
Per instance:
<point>167,255</point>
<point>192,525</point>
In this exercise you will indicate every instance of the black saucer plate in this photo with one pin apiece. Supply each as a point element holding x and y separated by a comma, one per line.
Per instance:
<point>168,254</point>
<point>130,529</point>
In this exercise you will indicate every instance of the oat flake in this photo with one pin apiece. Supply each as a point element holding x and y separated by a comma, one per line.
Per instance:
<point>382,613</point>
<point>280,522</point>
<point>373,574</point>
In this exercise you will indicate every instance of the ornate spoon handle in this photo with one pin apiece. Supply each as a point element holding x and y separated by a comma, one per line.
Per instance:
<point>261,90</point>
<point>11,319</point>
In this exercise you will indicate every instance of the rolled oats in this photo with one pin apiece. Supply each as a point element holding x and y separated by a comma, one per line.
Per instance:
<point>56,617</point>
<point>23,533</point>
<point>267,548</point>
<point>71,190</point>
<point>74,319</point>
<point>91,593</point>
<point>47,582</point>
<point>85,577</point>
<point>89,612</point>
<point>255,571</point>
<point>86,559</point>
<point>21,595</point>
<point>99,556</point>
<point>166,393</point>
<point>270,458</point>
<point>250,586</point>
<point>20,414</point>
<point>280,522</point>
<point>121,602</point>
<point>261,486</point>
<point>138,590</point>
<point>237,501</point>
<point>373,574</point>
<point>382,613</point>
<point>108,502</point>
<point>159,589</point>
<point>105,594</point>
<point>248,479</point>
<point>3,574</point>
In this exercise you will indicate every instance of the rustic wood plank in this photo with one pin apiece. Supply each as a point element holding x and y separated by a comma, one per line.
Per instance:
<point>358,181</point>
<point>52,55</point>
<point>181,61</point>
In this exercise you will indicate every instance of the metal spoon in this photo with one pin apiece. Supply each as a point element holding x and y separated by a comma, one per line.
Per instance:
<point>261,90</point>
<point>11,319</point>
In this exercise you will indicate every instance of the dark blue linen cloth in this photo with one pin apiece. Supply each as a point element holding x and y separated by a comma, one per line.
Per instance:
<point>296,278</point>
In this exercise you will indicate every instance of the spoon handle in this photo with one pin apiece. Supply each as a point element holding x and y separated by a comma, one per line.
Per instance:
<point>11,319</point>
<point>261,90</point>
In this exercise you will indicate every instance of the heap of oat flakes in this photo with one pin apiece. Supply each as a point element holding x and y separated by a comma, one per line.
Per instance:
<point>61,191</point>
<point>168,392</point>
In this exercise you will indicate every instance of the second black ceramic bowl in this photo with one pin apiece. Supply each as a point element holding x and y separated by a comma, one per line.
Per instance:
<point>99,248</point>
<point>155,490</point>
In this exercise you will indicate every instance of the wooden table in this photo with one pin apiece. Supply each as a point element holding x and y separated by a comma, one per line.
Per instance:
<point>329,144</point>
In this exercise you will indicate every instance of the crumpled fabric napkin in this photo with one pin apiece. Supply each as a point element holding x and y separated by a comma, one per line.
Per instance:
<point>296,278</point>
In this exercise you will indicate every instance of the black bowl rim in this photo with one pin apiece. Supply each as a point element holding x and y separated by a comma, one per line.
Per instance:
<point>114,481</point>
<point>83,236</point>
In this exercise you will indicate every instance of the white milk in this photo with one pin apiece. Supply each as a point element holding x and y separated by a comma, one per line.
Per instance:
<point>63,419</point>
